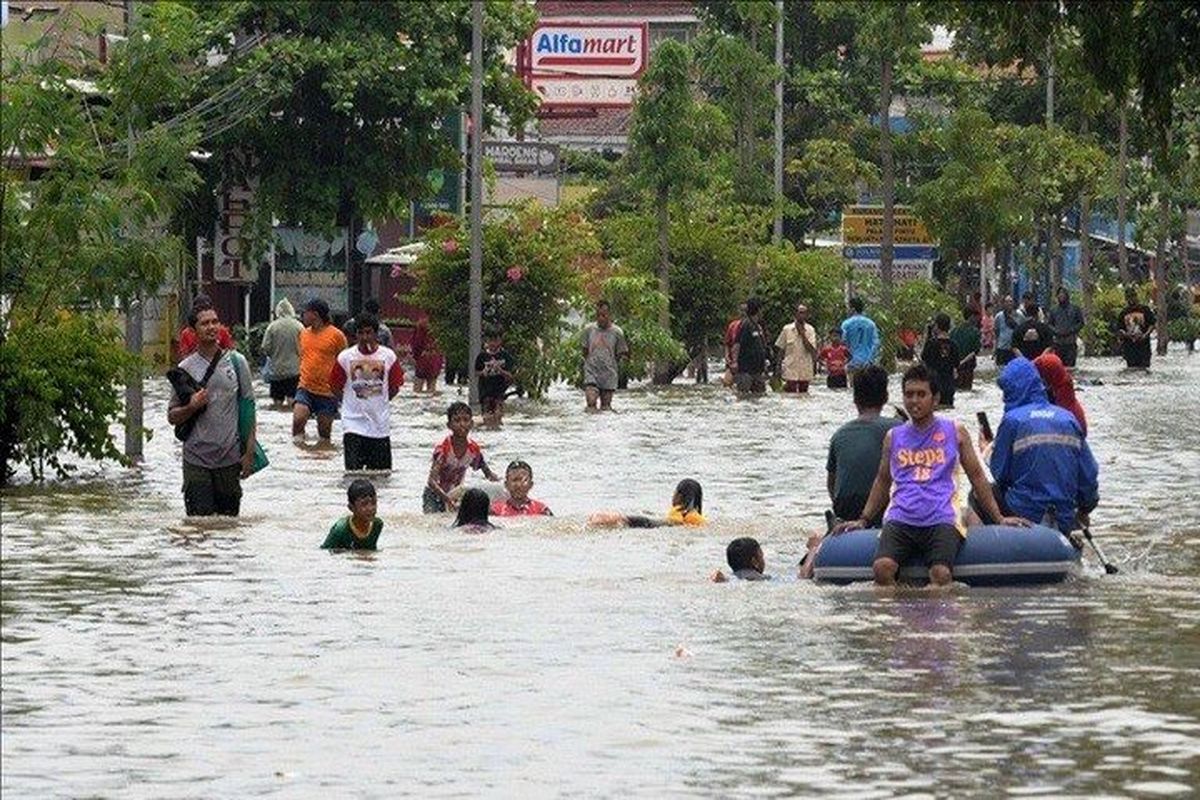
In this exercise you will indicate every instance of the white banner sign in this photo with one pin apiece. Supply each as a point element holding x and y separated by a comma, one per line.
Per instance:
<point>585,91</point>
<point>616,50</point>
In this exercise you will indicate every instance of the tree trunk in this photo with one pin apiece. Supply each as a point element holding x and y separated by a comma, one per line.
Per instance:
<point>1123,191</point>
<point>1054,250</point>
<point>663,373</point>
<point>1085,251</point>
<point>1160,277</point>
<point>1004,266</point>
<point>886,250</point>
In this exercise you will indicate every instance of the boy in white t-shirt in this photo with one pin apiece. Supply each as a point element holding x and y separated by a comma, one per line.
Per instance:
<point>366,377</point>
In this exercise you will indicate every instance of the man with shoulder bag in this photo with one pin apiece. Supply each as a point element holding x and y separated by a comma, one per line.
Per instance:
<point>215,457</point>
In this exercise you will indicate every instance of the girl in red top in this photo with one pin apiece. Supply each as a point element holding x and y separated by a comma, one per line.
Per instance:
<point>1059,385</point>
<point>835,356</point>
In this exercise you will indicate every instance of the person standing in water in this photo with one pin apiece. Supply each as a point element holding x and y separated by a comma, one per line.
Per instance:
<point>281,344</point>
<point>861,335</point>
<point>797,344</point>
<point>1134,326</point>
<point>1066,319</point>
<point>604,348</point>
<point>917,473</point>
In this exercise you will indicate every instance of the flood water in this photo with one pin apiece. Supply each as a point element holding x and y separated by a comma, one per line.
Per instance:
<point>145,655</point>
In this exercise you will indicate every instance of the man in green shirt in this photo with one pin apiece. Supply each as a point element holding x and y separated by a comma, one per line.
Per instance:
<point>856,447</point>
<point>360,530</point>
<point>968,341</point>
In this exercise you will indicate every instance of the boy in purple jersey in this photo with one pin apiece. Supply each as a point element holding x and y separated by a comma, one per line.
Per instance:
<point>919,458</point>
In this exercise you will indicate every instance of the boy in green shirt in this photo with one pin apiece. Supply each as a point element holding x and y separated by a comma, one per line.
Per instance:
<point>360,530</point>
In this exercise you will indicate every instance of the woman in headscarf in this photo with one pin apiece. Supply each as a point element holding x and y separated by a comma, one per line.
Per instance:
<point>1060,386</point>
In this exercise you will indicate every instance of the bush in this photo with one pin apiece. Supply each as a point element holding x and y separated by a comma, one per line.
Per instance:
<point>1097,334</point>
<point>61,382</point>
<point>530,271</point>
<point>788,277</point>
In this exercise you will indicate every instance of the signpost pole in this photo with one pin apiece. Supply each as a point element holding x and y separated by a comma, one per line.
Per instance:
<point>475,333</point>
<point>777,234</point>
<point>134,320</point>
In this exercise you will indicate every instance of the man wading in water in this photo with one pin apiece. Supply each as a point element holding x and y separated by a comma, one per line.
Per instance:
<point>920,457</point>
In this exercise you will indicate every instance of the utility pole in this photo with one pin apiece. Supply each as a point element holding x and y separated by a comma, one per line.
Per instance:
<point>134,314</point>
<point>777,236</point>
<point>475,333</point>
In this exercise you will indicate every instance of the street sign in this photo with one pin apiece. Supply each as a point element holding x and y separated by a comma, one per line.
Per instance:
<point>901,270</point>
<point>864,225</point>
<point>522,156</point>
<point>595,92</point>
<point>900,252</point>
<point>614,50</point>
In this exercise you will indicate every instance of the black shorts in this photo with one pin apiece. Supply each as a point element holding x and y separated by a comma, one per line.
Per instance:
<point>284,388</point>
<point>836,381</point>
<point>750,382</point>
<point>212,491</point>
<point>937,544</point>
<point>363,452</point>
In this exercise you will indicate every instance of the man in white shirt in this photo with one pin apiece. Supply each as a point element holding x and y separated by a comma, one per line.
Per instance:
<point>366,377</point>
<point>797,343</point>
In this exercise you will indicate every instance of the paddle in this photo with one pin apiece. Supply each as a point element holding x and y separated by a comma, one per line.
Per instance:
<point>1109,567</point>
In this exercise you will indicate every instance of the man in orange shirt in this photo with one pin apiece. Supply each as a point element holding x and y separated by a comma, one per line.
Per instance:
<point>320,343</point>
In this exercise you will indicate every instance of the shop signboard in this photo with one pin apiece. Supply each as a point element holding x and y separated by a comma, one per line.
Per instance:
<point>606,49</point>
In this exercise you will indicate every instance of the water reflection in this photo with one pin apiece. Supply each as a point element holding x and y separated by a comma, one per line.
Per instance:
<point>149,655</point>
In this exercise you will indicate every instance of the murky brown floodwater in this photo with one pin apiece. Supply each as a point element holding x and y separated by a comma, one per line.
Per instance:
<point>149,656</point>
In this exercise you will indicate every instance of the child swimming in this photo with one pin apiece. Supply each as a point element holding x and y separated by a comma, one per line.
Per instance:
<point>473,510</point>
<point>745,558</point>
<point>687,508</point>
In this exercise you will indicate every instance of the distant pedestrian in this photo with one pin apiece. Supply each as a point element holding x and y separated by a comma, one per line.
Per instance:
<point>731,332</point>
<point>320,344</point>
<point>1006,323</point>
<point>214,459</point>
<point>833,357</point>
<point>494,370</point>
<point>1134,326</point>
<point>281,344</point>
<point>861,335</point>
<point>987,327</point>
<point>749,354</point>
<point>427,359</point>
<point>1029,308</point>
<point>940,355</point>
<point>797,343</point>
<point>1032,337</point>
<point>967,339</point>
<point>383,334</point>
<point>1066,319</point>
<point>604,348</point>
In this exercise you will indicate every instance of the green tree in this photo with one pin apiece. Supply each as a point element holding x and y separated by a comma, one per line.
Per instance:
<point>664,146</point>
<point>829,173</point>
<point>970,204</point>
<point>339,104</point>
<point>87,231</point>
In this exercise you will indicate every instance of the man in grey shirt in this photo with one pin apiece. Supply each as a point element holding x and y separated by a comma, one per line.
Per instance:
<point>214,461</point>
<point>1066,319</point>
<point>604,346</point>
<point>281,344</point>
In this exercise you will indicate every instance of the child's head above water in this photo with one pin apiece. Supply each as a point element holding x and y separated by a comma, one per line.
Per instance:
<point>688,496</point>
<point>361,499</point>
<point>518,480</point>
<point>745,553</point>
<point>458,415</point>
<point>473,509</point>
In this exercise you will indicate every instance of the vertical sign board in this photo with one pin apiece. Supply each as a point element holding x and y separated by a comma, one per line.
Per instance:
<point>234,200</point>
<point>446,184</point>
<point>585,64</point>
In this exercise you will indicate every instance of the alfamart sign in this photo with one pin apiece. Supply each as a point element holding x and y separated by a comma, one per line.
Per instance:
<point>615,50</point>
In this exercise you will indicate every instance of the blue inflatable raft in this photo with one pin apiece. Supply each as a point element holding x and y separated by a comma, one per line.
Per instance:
<point>992,555</point>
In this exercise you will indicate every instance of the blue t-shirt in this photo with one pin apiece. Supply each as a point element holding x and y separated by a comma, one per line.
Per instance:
<point>862,337</point>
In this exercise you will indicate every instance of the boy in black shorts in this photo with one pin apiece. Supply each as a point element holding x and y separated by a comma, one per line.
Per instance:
<point>494,367</point>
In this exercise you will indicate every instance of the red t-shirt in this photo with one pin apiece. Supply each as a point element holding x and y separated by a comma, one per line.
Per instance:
<point>451,468</point>
<point>187,340</point>
<point>834,358</point>
<point>532,508</point>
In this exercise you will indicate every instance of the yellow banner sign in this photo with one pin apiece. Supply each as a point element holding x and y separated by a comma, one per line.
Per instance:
<point>864,225</point>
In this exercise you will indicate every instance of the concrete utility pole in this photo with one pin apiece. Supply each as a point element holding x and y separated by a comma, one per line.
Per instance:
<point>777,236</point>
<point>475,333</point>
<point>134,317</point>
